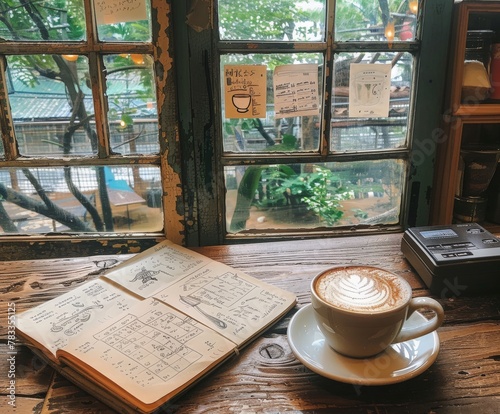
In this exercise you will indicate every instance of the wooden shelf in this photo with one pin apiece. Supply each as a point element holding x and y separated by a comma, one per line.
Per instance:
<point>478,110</point>
<point>462,118</point>
<point>468,15</point>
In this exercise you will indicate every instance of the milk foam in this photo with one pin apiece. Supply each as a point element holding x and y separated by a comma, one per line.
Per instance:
<point>362,289</point>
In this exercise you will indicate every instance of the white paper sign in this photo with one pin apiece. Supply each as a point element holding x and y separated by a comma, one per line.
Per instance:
<point>296,90</point>
<point>118,11</point>
<point>369,90</point>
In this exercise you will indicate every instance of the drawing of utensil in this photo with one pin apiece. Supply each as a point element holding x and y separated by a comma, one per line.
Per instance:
<point>194,302</point>
<point>81,316</point>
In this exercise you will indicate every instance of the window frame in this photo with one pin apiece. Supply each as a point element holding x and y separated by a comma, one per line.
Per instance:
<point>189,133</point>
<point>51,245</point>
<point>423,122</point>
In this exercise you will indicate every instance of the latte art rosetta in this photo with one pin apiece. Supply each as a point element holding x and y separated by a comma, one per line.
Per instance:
<point>362,289</point>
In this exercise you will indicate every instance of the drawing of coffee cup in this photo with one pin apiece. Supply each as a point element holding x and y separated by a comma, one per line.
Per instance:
<point>241,101</point>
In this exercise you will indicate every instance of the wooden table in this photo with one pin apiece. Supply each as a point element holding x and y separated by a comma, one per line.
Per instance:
<point>266,377</point>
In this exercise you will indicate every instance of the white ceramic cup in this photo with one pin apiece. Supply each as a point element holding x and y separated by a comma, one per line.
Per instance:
<point>361,310</point>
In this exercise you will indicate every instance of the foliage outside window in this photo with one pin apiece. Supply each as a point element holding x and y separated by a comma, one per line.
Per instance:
<point>334,169</point>
<point>80,148</point>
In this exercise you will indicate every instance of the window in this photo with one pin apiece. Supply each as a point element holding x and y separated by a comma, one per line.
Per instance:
<point>115,126</point>
<point>80,98</point>
<point>327,139</point>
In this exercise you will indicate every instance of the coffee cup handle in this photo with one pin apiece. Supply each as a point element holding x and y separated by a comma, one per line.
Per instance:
<point>411,331</point>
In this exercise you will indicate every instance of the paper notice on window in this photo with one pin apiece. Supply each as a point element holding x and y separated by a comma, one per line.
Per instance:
<point>119,11</point>
<point>296,90</point>
<point>245,91</point>
<point>369,90</point>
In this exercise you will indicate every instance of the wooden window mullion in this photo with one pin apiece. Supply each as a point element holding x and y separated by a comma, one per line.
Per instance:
<point>6,125</point>
<point>98,83</point>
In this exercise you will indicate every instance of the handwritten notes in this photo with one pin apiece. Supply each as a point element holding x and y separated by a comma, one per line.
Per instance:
<point>369,90</point>
<point>146,275</point>
<point>245,91</point>
<point>225,299</point>
<point>296,90</point>
<point>145,349</point>
<point>153,347</point>
<point>118,11</point>
<point>221,297</point>
<point>66,317</point>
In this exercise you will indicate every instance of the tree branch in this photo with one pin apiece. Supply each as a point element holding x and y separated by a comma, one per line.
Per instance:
<point>62,216</point>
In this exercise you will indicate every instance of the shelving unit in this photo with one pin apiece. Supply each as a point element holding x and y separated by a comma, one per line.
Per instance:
<point>471,119</point>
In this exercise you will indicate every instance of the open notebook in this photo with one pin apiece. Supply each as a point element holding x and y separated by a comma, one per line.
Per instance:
<point>147,329</point>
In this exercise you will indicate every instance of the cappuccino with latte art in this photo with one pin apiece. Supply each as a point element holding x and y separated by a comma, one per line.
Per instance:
<point>362,310</point>
<point>362,289</point>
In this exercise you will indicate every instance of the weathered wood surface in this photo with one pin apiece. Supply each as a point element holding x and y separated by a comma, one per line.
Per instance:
<point>266,377</point>
<point>40,248</point>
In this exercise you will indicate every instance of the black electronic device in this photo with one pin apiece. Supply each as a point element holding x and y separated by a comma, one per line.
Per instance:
<point>454,260</point>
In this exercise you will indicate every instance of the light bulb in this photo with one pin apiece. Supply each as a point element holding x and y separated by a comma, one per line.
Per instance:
<point>413,6</point>
<point>70,58</point>
<point>389,31</point>
<point>137,59</point>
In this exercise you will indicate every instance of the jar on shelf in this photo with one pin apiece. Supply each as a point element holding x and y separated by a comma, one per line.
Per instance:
<point>475,174</point>
<point>479,166</point>
<point>469,209</point>
<point>478,46</point>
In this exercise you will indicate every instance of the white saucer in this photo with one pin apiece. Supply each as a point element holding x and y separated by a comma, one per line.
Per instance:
<point>398,363</point>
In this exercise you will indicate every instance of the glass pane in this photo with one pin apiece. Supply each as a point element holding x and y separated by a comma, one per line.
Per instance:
<point>125,27</point>
<point>374,20</point>
<point>53,114</point>
<point>55,20</point>
<point>371,133</point>
<point>282,20</point>
<point>313,195</point>
<point>132,110</point>
<point>38,200</point>
<point>270,133</point>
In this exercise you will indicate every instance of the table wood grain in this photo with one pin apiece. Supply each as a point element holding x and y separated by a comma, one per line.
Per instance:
<point>266,377</point>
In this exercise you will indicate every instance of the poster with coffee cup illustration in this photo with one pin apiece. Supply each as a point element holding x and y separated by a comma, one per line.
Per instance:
<point>369,90</point>
<point>245,91</point>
